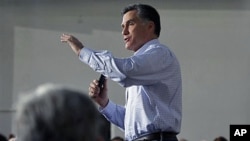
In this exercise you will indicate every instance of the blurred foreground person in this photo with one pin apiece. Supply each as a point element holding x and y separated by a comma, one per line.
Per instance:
<point>56,113</point>
<point>117,138</point>
<point>3,138</point>
<point>182,139</point>
<point>220,138</point>
<point>12,137</point>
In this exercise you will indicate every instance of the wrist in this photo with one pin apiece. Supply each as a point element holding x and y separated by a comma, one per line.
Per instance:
<point>79,50</point>
<point>104,103</point>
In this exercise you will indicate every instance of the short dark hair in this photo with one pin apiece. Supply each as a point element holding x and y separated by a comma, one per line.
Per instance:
<point>220,138</point>
<point>117,138</point>
<point>146,12</point>
<point>11,136</point>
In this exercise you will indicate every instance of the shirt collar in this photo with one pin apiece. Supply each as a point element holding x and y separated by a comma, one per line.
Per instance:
<point>145,46</point>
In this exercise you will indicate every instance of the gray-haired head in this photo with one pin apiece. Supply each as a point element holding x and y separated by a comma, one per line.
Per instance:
<point>56,113</point>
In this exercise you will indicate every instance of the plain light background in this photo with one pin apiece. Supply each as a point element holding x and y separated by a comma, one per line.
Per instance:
<point>210,38</point>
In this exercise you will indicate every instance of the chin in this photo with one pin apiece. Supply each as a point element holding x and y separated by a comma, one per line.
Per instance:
<point>127,47</point>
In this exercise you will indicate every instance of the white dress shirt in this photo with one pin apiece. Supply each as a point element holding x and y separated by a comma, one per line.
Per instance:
<point>152,79</point>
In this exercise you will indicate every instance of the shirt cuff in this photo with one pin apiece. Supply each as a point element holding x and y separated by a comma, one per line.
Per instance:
<point>85,54</point>
<point>108,110</point>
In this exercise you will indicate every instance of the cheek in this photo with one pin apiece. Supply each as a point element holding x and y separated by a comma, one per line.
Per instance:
<point>139,36</point>
<point>136,34</point>
<point>140,32</point>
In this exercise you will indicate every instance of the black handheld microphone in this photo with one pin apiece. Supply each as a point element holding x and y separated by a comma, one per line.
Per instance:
<point>101,82</point>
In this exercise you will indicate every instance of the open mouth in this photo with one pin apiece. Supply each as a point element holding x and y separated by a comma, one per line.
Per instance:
<point>126,39</point>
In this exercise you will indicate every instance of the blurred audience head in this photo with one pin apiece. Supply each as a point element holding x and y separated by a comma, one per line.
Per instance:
<point>3,138</point>
<point>117,138</point>
<point>182,139</point>
<point>56,113</point>
<point>11,137</point>
<point>220,138</point>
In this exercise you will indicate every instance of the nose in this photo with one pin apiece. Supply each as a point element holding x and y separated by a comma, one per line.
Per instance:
<point>125,31</point>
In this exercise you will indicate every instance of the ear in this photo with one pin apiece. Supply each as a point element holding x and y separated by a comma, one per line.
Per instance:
<point>151,26</point>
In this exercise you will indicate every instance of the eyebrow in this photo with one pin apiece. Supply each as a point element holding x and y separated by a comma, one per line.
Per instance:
<point>130,20</point>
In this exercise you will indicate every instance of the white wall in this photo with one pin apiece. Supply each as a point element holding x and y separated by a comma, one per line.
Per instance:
<point>210,39</point>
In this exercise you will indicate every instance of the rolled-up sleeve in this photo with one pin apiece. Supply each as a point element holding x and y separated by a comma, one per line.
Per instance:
<point>102,62</point>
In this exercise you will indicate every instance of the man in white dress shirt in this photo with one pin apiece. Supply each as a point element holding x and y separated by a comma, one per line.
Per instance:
<point>151,76</point>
